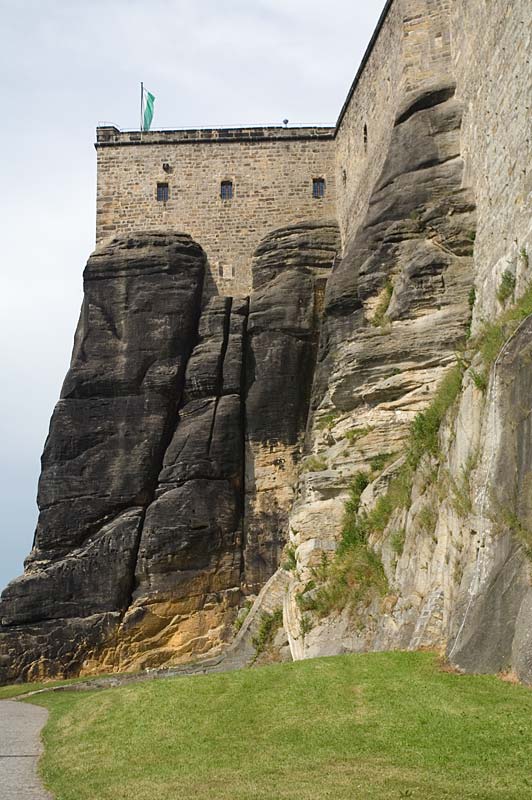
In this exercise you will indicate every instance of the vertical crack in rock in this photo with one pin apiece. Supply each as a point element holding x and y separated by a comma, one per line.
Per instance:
<point>189,561</point>
<point>289,270</point>
<point>107,439</point>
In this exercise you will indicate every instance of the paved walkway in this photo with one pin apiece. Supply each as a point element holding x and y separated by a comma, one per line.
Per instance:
<point>20,749</point>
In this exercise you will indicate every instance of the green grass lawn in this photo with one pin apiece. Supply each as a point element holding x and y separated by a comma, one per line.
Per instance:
<point>383,726</point>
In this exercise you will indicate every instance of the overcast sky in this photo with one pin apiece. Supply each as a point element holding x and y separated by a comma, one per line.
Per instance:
<point>66,65</point>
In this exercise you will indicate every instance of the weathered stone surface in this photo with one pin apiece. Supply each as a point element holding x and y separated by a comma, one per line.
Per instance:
<point>290,269</point>
<point>95,577</point>
<point>148,533</point>
<point>491,623</point>
<point>190,553</point>
<point>111,426</point>
<point>108,436</point>
<point>396,310</point>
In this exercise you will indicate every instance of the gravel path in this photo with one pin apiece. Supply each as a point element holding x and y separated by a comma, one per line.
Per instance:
<point>20,749</point>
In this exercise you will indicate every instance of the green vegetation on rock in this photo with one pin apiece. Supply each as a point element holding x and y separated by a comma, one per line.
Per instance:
<point>506,287</point>
<point>314,464</point>
<point>268,627</point>
<point>378,463</point>
<point>380,727</point>
<point>493,335</point>
<point>356,573</point>
<point>358,433</point>
<point>242,615</point>
<point>379,318</point>
<point>327,421</point>
<point>397,541</point>
<point>424,433</point>
<point>289,561</point>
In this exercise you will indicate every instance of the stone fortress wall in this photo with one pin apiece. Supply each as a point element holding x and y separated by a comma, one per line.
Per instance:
<point>418,44</point>
<point>271,170</point>
<point>483,46</point>
<point>409,52</point>
<point>492,52</point>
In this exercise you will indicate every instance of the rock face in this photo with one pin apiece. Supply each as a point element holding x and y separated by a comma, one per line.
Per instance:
<point>290,270</point>
<point>148,533</point>
<point>396,311</point>
<point>491,622</point>
<point>197,435</point>
<point>107,440</point>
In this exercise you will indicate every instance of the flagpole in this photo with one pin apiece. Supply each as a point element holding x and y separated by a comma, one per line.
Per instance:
<point>141,103</point>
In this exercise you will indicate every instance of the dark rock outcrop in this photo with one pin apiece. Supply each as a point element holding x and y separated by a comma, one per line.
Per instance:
<point>147,533</point>
<point>290,270</point>
<point>107,439</point>
<point>189,560</point>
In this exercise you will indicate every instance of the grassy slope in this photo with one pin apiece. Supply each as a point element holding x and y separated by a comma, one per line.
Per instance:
<point>17,689</point>
<point>377,726</point>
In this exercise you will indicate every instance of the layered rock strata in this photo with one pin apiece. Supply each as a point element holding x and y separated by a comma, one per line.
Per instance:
<point>396,312</point>
<point>397,316</point>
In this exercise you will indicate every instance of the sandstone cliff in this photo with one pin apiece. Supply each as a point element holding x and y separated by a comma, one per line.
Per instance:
<point>419,429</point>
<point>351,441</point>
<point>169,469</point>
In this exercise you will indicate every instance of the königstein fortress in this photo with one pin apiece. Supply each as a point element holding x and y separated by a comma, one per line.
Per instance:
<point>301,383</point>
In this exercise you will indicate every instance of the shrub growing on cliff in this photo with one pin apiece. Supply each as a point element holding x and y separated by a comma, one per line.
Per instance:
<point>397,542</point>
<point>242,615</point>
<point>506,287</point>
<point>327,422</point>
<point>380,318</point>
<point>289,562</point>
<point>378,463</point>
<point>269,625</point>
<point>425,428</point>
<point>314,464</point>
<point>480,379</point>
<point>491,339</point>
<point>356,573</point>
<point>358,433</point>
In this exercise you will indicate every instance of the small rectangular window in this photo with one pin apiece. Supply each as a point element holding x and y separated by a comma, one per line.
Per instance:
<point>226,190</point>
<point>318,187</point>
<point>226,271</point>
<point>162,192</point>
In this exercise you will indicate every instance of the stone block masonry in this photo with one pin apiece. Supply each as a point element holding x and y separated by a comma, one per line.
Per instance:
<point>271,172</point>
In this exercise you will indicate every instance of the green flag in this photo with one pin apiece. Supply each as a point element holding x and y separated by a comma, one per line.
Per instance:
<point>149,100</point>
